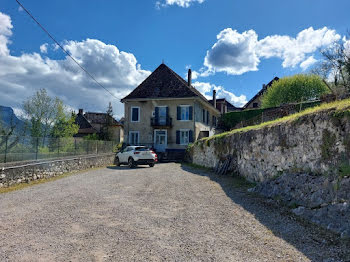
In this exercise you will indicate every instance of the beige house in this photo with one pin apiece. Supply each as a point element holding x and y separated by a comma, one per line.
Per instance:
<point>167,113</point>
<point>96,123</point>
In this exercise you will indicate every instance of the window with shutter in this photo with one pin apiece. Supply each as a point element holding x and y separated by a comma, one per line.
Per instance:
<point>184,113</point>
<point>135,114</point>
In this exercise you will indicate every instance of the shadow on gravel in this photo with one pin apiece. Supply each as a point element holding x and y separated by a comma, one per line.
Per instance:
<point>314,242</point>
<point>125,167</point>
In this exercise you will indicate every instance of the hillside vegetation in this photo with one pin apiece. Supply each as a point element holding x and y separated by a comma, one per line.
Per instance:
<point>339,107</point>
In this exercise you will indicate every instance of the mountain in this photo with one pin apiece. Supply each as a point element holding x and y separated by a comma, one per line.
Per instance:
<point>7,116</point>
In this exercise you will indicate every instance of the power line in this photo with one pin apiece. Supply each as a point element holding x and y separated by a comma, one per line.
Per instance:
<point>75,61</point>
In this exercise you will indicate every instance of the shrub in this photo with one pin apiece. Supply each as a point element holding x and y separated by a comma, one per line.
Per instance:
<point>294,89</point>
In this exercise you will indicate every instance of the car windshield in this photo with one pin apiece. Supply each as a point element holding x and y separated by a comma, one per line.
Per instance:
<point>141,148</point>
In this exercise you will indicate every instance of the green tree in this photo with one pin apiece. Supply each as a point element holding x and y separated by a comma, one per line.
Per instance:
<point>294,89</point>
<point>106,129</point>
<point>64,125</point>
<point>92,137</point>
<point>42,112</point>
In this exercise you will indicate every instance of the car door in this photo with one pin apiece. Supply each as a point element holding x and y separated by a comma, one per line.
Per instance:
<point>122,156</point>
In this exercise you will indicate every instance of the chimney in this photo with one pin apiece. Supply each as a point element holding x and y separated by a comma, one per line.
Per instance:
<point>189,77</point>
<point>214,98</point>
<point>81,111</point>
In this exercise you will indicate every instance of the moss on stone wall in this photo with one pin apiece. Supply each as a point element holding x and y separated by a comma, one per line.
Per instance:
<point>328,144</point>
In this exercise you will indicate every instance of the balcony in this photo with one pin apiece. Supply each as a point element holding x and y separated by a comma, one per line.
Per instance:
<point>161,122</point>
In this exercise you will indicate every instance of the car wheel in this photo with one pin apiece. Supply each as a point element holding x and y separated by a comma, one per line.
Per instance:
<point>117,161</point>
<point>131,163</point>
<point>151,165</point>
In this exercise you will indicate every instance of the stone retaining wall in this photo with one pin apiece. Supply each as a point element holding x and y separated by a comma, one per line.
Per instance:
<point>316,143</point>
<point>25,172</point>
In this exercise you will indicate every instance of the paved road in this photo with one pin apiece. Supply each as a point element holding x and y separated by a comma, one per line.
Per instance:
<point>169,212</point>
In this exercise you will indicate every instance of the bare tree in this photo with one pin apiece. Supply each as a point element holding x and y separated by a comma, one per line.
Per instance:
<point>335,67</point>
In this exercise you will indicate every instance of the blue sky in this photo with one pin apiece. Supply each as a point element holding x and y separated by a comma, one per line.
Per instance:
<point>145,33</point>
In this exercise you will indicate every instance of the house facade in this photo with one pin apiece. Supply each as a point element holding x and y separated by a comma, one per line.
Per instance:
<point>167,113</point>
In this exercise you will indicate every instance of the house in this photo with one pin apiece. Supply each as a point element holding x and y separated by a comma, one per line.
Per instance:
<point>255,102</point>
<point>95,123</point>
<point>167,112</point>
<point>85,128</point>
<point>223,105</point>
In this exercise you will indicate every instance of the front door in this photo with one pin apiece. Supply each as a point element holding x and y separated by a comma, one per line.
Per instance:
<point>160,140</point>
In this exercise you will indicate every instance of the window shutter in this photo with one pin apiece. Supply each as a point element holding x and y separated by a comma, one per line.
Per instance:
<point>167,116</point>
<point>178,137</point>
<point>191,112</point>
<point>191,136</point>
<point>156,114</point>
<point>178,113</point>
<point>207,117</point>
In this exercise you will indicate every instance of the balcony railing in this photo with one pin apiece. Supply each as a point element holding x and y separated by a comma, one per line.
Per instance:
<point>161,122</point>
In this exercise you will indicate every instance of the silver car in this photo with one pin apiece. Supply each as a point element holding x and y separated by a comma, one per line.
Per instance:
<point>136,155</point>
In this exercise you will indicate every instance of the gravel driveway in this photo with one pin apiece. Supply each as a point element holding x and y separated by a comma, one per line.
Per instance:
<point>169,212</point>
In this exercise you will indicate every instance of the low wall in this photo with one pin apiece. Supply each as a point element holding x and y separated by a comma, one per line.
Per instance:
<point>26,172</point>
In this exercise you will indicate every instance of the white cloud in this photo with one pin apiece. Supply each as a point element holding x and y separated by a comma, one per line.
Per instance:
<point>181,3</point>
<point>207,89</point>
<point>347,46</point>
<point>21,76</point>
<point>307,63</point>
<point>237,53</point>
<point>233,53</point>
<point>43,48</point>
<point>5,33</point>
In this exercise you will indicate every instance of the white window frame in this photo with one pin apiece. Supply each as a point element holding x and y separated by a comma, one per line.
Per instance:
<point>138,136</point>
<point>138,114</point>
<point>185,106</point>
<point>188,132</point>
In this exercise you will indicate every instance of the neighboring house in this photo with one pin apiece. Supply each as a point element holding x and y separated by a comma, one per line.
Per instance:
<point>94,123</point>
<point>85,128</point>
<point>255,102</point>
<point>167,113</point>
<point>223,105</point>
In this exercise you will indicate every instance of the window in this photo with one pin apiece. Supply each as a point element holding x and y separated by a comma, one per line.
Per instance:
<point>135,114</point>
<point>184,137</point>
<point>203,115</point>
<point>208,117</point>
<point>255,105</point>
<point>134,137</point>
<point>161,115</point>
<point>185,113</point>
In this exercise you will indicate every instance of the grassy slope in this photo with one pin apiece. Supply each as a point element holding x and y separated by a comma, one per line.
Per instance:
<point>337,107</point>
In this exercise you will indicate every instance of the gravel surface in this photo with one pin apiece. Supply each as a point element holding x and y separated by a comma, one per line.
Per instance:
<point>169,212</point>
